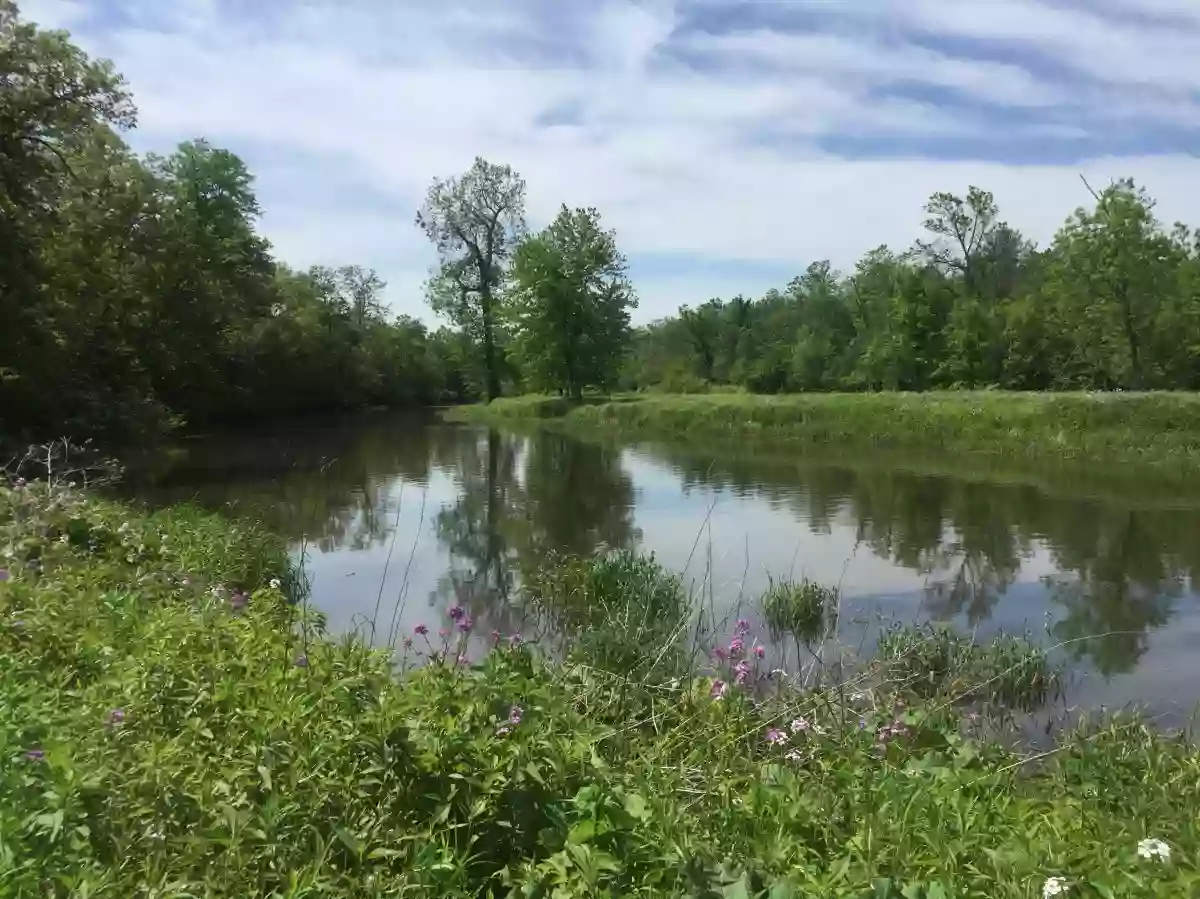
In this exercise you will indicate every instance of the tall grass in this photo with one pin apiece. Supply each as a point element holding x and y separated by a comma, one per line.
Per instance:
<point>1158,429</point>
<point>172,725</point>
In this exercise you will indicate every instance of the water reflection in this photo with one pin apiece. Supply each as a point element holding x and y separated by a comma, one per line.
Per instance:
<point>1121,561</point>
<point>427,514</point>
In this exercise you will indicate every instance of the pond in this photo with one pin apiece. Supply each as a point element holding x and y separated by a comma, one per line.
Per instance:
<point>398,517</point>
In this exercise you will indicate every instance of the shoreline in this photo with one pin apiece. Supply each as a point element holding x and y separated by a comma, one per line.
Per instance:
<point>1157,432</point>
<point>174,716</point>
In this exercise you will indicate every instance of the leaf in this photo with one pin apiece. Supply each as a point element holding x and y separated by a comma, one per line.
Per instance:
<point>935,891</point>
<point>782,889</point>
<point>266,777</point>
<point>739,889</point>
<point>582,832</point>
<point>381,852</point>
<point>350,841</point>
<point>636,806</point>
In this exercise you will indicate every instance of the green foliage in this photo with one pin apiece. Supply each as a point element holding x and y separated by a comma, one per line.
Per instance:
<point>1111,303</point>
<point>475,221</point>
<point>935,661</point>
<point>161,734</point>
<point>136,293</point>
<point>803,609</point>
<point>570,304</point>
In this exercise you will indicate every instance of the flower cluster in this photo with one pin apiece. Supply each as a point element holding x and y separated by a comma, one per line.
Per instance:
<point>514,718</point>
<point>1054,886</point>
<point>1154,848</point>
<point>885,733</point>
<point>741,659</point>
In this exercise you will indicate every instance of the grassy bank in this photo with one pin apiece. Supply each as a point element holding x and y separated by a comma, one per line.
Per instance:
<point>1155,429</point>
<point>170,725</point>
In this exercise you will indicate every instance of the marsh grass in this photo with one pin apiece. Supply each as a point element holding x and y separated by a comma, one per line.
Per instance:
<point>804,609</point>
<point>934,661</point>
<point>172,724</point>
<point>1161,430</point>
<point>620,612</point>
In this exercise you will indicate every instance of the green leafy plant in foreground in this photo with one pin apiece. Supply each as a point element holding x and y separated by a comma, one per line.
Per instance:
<point>171,725</point>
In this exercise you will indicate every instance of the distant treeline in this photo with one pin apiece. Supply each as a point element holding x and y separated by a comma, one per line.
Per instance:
<point>1112,303</point>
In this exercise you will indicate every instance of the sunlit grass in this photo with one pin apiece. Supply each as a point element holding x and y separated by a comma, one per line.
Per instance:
<point>1157,429</point>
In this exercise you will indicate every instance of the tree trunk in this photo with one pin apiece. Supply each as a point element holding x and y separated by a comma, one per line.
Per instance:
<point>1131,335</point>
<point>491,375</point>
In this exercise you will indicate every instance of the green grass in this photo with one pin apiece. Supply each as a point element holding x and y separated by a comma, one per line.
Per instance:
<point>157,739</point>
<point>1154,429</point>
<point>1007,672</point>
<point>802,609</point>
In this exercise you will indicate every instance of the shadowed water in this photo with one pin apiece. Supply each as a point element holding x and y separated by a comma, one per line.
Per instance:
<point>399,517</point>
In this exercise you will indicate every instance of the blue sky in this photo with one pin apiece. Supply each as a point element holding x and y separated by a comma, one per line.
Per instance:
<point>729,143</point>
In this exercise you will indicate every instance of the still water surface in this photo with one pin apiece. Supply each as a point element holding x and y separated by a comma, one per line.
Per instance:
<point>398,517</point>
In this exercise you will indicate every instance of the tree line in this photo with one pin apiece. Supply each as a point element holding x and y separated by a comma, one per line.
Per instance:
<point>1112,303</point>
<point>137,295</point>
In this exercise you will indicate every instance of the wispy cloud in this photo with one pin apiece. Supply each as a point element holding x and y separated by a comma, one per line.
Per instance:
<point>728,142</point>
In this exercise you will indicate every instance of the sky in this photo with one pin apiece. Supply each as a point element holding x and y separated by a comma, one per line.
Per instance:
<point>728,142</point>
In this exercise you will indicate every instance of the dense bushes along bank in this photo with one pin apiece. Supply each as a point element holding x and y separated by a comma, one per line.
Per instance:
<point>166,728</point>
<point>1158,429</point>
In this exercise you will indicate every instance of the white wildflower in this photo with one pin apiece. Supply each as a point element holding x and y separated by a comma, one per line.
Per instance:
<point>1153,848</point>
<point>1054,886</point>
<point>859,696</point>
<point>275,582</point>
<point>800,724</point>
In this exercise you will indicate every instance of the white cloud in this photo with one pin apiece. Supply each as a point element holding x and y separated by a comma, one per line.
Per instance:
<point>368,101</point>
<point>53,13</point>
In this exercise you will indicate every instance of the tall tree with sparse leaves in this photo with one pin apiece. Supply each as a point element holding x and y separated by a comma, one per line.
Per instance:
<point>475,221</point>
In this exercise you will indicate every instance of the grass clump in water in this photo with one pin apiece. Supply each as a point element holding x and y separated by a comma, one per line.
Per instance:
<point>171,726</point>
<point>934,661</point>
<point>804,609</point>
<point>621,612</point>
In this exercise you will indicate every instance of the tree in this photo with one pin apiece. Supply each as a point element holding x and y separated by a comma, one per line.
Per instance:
<point>475,221</point>
<point>570,303</point>
<point>54,103</point>
<point>1110,270</point>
